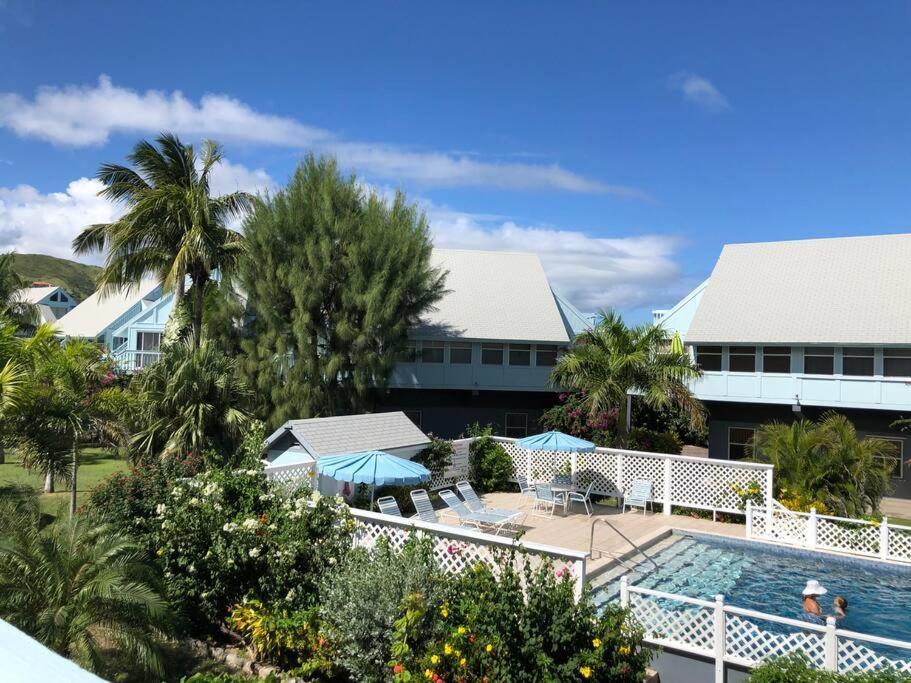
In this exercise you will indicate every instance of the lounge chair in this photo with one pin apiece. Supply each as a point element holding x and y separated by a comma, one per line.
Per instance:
<point>584,498</point>
<point>526,490</point>
<point>475,504</point>
<point>424,507</point>
<point>388,506</point>
<point>545,501</point>
<point>639,495</point>
<point>479,520</point>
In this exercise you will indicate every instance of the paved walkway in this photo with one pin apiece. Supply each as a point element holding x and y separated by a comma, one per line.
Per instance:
<point>574,530</point>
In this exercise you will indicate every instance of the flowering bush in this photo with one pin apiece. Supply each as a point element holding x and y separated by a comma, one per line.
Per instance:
<point>641,439</point>
<point>224,536</point>
<point>751,492</point>
<point>800,502</point>
<point>572,417</point>
<point>514,625</point>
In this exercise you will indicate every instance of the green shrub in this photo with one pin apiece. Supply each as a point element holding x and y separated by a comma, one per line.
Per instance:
<point>437,456</point>
<point>796,669</point>
<point>641,439</point>
<point>489,463</point>
<point>361,601</point>
<point>572,416</point>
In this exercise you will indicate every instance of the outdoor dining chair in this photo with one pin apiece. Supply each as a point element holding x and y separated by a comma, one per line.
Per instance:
<point>526,490</point>
<point>584,498</point>
<point>639,495</point>
<point>479,520</point>
<point>563,480</point>
<point>388,506</point>
<point>475,504</point>
<point>545,500</point>
<point>424,507</point>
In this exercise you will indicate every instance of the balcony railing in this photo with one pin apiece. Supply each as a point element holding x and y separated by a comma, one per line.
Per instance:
<point>133,360</point>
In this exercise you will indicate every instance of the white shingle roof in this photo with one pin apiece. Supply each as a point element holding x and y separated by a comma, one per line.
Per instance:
<point>850,290</point>
<point>493,295</point>
<point>35,294</point>
<point>353,433</point>
<point>92,316</point>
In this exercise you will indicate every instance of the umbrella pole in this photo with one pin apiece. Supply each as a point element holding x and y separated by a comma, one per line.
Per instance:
<point>373,485</point>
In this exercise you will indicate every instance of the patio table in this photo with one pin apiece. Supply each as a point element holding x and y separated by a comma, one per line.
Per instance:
<point>565,489</point>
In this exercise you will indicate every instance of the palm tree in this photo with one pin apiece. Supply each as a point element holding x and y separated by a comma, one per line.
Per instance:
<point>81,589</point>
<point>610,361</point>
<point>192,399</point>
<point>13,306</point>
<point>173,228</point>
<point>827,462</point>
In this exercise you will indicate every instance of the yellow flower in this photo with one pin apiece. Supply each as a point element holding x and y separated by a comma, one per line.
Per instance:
<point>444,612</point>
<point>596,642</point>
<point>428,673</point>
<point>159,552</point>
<point>462,630</point>
<point>434,659</point>
<point>463,662</point>
<point>623,650</point>
<point>489,648</point>
<point>447,649</point>
<point>586,671</point>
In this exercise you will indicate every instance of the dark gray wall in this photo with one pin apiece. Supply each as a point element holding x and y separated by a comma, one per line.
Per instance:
<point>674,667</point>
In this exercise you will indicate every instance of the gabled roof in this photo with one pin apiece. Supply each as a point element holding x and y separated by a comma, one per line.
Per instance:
<point>495,296</point>
<point>849,290</point>
<point>91,317</point>
<point>322,436</point>
<point>35,294</point>
<point>25,659</point>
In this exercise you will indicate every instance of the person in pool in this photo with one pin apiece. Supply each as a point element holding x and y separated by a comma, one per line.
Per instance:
<point>841,607</point>
<point>812,612</point>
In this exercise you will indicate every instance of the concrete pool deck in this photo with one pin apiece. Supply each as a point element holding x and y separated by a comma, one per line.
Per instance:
<point>574,529</point>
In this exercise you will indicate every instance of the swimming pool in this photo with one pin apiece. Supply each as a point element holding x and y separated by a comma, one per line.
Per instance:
<point>770,579</point>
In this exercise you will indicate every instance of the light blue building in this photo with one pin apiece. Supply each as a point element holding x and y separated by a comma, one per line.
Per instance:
<point>789,329</point>
<point>53,302</point>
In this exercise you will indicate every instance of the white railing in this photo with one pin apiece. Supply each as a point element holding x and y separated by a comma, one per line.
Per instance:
<point>131,360</point>
<point>677,480</point>
<point>457,470</point>
<point>291,476</point>
<point>882,540</point>
<point>742,637</point>
<point>457,549</point>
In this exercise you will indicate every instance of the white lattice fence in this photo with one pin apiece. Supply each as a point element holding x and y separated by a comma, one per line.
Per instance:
<point>642,466</point>
<point>290,477</point>
<point>601,467</point>
<point>519,457</point>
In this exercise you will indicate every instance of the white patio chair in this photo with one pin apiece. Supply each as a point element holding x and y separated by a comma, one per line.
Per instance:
<point>584,498</point>
<point>479,520</point>
<point>475,504</point>
<point>423,506</point>
<point>388,506</point>
<point>545,501</point>
<point>639,495</point>
<point>526,490</point>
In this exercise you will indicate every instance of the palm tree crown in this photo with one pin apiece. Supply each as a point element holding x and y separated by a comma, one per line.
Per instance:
<point>611,360</point>
<point>173,228</point>
<point>13,306</point>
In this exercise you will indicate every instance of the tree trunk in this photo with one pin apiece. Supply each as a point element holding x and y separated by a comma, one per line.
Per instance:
<point>73,479</point>
<point>49,483</point>
<point>179,291</point>
<point>623,422</point>
<point>2,454</point>
<point>199,291</point>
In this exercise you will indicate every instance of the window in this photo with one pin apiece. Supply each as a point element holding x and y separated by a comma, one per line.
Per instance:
<point>516,425</point>
<point>545,356</point>
<point>708,357</point>
<point>742,359</point>
<point>411,351</point>
<point>520,354</point>
<point>492,354</point>
<point>460,354</point>
<point>897,362</point>
<point>148,341</point>
<point>63,297</point>
<point>55,296</point>
<point>431,352</point>
<point>857,360</point>
<point>414,416</point>
<point>896,460</point>
<point>740,442</point>
<point>819,360</point>
<point>776,359</point>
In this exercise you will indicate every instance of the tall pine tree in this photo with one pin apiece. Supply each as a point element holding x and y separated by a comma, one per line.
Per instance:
<point>334,277</point>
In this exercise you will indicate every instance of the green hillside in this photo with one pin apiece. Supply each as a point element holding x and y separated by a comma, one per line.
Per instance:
<point>77,278</point>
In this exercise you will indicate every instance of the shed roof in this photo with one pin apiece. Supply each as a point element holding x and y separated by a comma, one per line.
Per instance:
<point>493,295</point>
<point>92,316</point>
<point>352,433</point>
<point>848,290</point>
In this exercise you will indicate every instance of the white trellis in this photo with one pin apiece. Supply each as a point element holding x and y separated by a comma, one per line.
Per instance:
<point>677,480</point>
<point>732,635</point>
<point>882,540</point>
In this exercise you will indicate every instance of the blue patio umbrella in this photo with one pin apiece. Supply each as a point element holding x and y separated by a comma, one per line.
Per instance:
<point>555,441</point>
<point>372,467</point>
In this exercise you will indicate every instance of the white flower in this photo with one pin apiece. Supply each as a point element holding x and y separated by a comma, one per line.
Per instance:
<point>315,496</point>
<point>210,488</point>
<point>229,527</point>
<point>177,492</point>
<point>194,502</point>
<point>339,500</point>
<point>254,552</point>
<point>252,472</point>
<point>191,569</point>
<point>250,523</point>
<point>160,509</point>
<point>266,496</point>
<point>331,560</point>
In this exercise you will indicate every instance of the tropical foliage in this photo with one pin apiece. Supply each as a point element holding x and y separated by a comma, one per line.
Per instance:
<point>13,305</point>
<point>335,277</point>
<point>827,462</point>
<point>82,590</point>
<point>797,669</point>
<point>610,361</point>
<point>489,464</point>
<point>172,228</point>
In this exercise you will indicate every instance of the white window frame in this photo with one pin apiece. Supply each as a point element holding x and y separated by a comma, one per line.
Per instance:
<point>889,352</point>
<point>462,346</point>
<point>901,453</point>
<point>846,353</point>
<point>546,348</point>
<point>435,345</point>
<point>494,347</point>
<point>731,355</point>
<point>506,426</point>
<point>729,444</point>
<point>777,354</point>
<point>814,352</point>
<point>520,348</point>
<point>713,354</point>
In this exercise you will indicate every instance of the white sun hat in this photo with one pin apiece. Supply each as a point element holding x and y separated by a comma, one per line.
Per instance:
<point>814,588</point>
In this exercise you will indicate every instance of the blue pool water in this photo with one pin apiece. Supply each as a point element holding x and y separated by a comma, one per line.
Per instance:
<point>770,579</point>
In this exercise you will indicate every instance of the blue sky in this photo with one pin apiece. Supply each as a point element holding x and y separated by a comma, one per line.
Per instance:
<point>623,142</point>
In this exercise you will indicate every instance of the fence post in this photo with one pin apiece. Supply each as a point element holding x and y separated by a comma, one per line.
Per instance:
<point>720,635</point>
<point>667,485</point>
<point>579,576</point>
<point>749,518</point>
<point>831,661</point>
<point>573,466</point>
<point>621,486</point>
<point>769,490</point>
<point>812,524</point>
<point>624,591</point>
<point>528,466</point>
<point>884,538</point>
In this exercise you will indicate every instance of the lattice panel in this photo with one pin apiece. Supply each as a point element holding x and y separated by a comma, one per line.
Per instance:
<point>545,464</point>
<point>690,626</point>
<point>899,544</point>
<point>854,537</point>
<point>600,467</point>
<point>290,478</point>
<point>778,525</point>
<point>519,458</point>
<point>441,481</point>
<point>745,640</point>
<point>644,467</point>
<point>855,657</point>
<point>712,485</point>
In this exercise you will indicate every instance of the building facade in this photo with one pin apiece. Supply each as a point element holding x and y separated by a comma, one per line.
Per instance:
<point>785,330</point>
<point>53,302</point>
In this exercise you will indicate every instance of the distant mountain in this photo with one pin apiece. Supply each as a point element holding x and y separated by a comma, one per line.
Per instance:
<point>76,278</point>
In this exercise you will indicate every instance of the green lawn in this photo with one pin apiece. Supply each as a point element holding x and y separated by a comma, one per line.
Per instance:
<point>95,465</point>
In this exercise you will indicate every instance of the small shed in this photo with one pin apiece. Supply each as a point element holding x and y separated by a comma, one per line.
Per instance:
<point>303,442</point>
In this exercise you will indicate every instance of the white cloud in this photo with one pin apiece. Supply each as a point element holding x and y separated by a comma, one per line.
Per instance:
<point>228,177</point>
<point>592,272</point>
<point>89,115</point>
<point>700,91</point>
